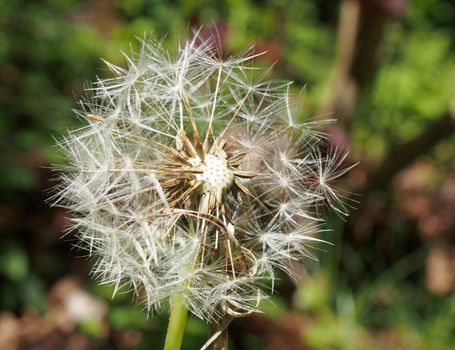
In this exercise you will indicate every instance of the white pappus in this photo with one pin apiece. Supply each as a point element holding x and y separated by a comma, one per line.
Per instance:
<point>191,176</point>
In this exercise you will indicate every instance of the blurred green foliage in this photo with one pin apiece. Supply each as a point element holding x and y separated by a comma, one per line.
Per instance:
<point>421,78</point>
<point>50,48</point>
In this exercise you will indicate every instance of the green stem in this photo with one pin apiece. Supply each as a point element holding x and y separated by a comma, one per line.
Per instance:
<point>177,321</point>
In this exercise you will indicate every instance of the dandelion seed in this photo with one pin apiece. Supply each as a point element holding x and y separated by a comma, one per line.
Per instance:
<point>192,177</point>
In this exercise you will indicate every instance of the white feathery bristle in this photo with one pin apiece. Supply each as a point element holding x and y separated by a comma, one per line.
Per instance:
<point>192,176</point>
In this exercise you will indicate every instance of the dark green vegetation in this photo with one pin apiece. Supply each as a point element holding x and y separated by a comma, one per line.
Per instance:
<point>387,72</point>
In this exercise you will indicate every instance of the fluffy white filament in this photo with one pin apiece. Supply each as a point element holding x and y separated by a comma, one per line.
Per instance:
<point>266,176</point>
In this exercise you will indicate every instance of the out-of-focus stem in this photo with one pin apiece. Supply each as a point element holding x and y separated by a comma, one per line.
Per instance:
<point>221,341</point>
<point>177,321</point>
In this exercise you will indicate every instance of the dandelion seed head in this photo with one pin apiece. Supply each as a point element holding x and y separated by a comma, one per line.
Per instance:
<point>215,175</point>
<point>192,176</point>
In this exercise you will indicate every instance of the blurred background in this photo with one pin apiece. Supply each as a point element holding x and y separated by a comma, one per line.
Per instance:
<point>384,68</point>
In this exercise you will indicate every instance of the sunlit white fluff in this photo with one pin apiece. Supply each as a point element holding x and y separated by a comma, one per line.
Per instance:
<point>135,184</point>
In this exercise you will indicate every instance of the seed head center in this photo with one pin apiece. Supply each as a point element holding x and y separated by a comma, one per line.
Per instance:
<point>216,176</point>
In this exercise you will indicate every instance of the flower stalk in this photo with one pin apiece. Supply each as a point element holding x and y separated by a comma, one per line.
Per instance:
<point>177,322</point>
<point>221,335</point>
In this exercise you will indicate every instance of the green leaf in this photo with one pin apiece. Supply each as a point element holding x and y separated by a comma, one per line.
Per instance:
<point>33,293</point>
<point>14,263</point>
<point>93,328</point>
<point>122,317</point>
<point>18,177</point>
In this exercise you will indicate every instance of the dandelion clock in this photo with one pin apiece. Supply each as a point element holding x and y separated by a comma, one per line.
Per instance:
<point>191,182</point>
